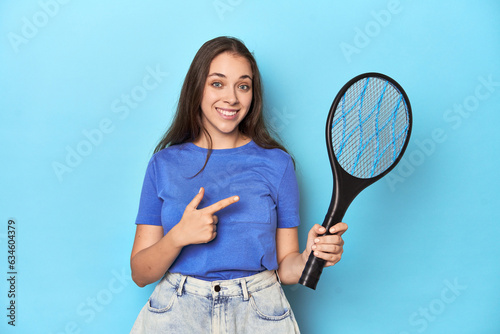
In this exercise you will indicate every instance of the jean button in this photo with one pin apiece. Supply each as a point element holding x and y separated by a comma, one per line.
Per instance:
<point>217,288</point>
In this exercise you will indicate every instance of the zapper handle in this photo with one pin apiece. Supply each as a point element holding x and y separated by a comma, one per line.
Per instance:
<point>312,272</point>
<point>314,266</point>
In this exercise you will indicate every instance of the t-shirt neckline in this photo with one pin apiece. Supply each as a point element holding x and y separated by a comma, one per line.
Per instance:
<point>193,147</point>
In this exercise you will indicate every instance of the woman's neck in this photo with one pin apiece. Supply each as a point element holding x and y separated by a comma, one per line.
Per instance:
<point>221,142</point>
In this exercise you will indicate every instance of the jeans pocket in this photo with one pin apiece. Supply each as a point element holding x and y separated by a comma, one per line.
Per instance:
<point>270,303</point>
<point>163,297</point>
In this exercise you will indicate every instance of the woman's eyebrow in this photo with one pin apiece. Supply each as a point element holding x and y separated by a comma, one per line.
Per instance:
<point>220,75</point>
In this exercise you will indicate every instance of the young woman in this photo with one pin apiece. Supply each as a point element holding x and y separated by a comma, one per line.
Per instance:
<point>218,214</point>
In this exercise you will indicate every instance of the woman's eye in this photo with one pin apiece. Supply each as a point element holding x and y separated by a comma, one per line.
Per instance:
<point>216,84</point>
<point>245,87</point>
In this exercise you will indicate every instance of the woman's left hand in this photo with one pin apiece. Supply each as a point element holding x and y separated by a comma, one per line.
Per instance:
<point>326,247</point>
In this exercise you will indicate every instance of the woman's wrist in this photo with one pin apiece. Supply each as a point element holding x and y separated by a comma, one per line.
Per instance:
<point>175,238</point>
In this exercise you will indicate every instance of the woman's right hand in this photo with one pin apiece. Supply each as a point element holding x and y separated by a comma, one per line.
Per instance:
<point>198,226</point>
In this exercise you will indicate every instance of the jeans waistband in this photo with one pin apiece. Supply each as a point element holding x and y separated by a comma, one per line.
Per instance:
<point>223,288</point>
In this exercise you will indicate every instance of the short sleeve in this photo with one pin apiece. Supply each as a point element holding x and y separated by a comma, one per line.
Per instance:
<point>288,199</point>
<point>150,204</point>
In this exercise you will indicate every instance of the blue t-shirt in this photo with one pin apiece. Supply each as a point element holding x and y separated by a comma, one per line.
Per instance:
<point>245,244</point>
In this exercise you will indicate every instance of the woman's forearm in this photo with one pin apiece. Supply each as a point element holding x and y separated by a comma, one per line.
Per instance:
<point>150,264</point>
<point>291,267</point>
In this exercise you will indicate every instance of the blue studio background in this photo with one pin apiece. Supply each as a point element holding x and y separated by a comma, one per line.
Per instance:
<point>88,87</point>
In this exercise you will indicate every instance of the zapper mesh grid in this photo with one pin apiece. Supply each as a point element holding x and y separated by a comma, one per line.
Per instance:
<point>369,127</point>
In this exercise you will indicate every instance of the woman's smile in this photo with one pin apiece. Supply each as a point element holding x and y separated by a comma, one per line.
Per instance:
<point>227,113</point>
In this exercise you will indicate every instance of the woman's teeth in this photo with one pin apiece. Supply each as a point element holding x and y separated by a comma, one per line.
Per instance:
<point>226,112</point>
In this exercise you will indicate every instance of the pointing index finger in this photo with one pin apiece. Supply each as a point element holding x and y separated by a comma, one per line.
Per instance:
<point>197,199</point>
<point>221,204</point>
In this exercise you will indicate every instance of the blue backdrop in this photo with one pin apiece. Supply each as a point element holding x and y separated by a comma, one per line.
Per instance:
<point>88,87</point>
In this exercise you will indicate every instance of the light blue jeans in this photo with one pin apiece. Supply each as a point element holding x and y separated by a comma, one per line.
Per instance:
<point>182,304</point>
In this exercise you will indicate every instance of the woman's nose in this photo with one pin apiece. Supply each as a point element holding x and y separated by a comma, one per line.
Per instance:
<point>231,96</point>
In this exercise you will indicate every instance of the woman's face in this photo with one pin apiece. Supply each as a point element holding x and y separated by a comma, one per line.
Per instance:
<point>227,95</point>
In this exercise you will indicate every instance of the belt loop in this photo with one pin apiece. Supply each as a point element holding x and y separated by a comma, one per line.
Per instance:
<point>181,285</point>
<point>244,289</point>
<point>278,276</point>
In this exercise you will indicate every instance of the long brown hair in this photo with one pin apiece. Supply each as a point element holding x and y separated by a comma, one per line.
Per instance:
<point>187,124</point>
